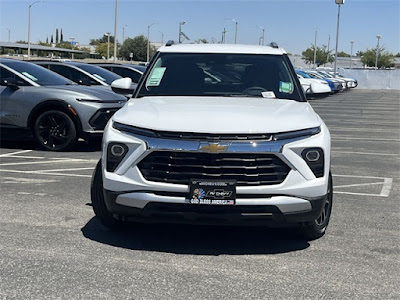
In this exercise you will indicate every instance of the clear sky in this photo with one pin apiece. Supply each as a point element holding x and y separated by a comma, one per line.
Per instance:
<point>290,23</point>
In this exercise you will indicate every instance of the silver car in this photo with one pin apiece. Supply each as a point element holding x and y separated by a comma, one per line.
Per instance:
<point>52,108</point>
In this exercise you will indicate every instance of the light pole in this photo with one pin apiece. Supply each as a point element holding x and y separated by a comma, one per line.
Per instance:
<point>223,36</point>
<point>315,48</point>
<point>338,2</point>
<point>377,51</point>
<point>162,38</point>
<point>327,56</point>
<point>72,44</point>
<point>180,31</point>
<point>262,36</point>
<point>236,28</point>
<point>115,31</point>
<point>148,41</point>
<point>351,54</point>
<point>123,33</point>
<point>108,44</point>
<point>29,27</point>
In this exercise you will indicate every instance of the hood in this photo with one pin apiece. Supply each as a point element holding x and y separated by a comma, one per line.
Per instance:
<point>218,114</point>
<point>89,92</point>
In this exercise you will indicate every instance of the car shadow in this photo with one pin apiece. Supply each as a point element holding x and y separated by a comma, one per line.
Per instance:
<point>196,239</point>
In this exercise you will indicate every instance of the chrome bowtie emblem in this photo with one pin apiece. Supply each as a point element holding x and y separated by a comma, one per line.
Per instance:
<point>213,147</point>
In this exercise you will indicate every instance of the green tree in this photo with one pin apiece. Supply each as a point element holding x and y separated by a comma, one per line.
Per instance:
<point>103,39</point>
<point>323,55</point>
<point>398,54</point>
<point>201,41</point>
<point>137,46</point>
<point>61,36</point>
<point>359,53</point>
<point>343,54</point>
<point>56,35</point>
<point>51,39</point>
<point>21,42</point>
<point>101,49</point>
<point>47,40</point>
<point>385,59</point>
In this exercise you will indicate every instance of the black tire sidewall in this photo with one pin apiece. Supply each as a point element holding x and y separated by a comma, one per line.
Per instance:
<point>72,139</point>
<point>98,203</point>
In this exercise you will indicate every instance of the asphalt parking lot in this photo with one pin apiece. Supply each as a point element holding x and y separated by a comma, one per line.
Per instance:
<point>52,247</point>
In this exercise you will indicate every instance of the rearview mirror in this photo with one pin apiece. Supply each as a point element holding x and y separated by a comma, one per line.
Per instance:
<point>11,83</point>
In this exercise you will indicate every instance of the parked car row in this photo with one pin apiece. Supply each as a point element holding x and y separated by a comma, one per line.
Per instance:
<point>55,109</point>
<point>336,83</point>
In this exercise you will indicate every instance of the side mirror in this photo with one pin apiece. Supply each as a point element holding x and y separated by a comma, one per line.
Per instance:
<point>122,86</point>
<point>11,83</point>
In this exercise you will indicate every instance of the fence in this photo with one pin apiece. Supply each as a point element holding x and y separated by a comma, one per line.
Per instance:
<point>374,79</point>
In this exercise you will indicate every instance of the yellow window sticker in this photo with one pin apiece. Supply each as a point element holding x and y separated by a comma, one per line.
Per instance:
<point>156,76</point>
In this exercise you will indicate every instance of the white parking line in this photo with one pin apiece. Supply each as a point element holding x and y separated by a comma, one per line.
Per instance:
<point>71,169</point>
<point>366,153</point>
<point>50,162</point>
<point>356,184</point>
<point>13,153</point>
<point>387,186</point>
<point>369,139</point>
<point>385,191</point>
<point>44,173</point>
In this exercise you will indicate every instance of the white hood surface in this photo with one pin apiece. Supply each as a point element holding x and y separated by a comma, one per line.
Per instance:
<point>217,114</point>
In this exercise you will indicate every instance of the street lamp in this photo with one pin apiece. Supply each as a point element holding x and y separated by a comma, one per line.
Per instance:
<point>351,54</point>
<point>108,45</point>
<point>315,48</point>
<point>377,51</point>
<point>72,44</point>
<point>162,38</point>
<point>261,42</point>
<point>180,31</point>
<point>115,31</point>
<point>148,41</point>
<point>338,2</point>
<point>236,28</point>
<point>123,33</point>
<point>29,27</point>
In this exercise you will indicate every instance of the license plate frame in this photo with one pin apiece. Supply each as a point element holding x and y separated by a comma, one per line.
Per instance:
<point>212,192</point>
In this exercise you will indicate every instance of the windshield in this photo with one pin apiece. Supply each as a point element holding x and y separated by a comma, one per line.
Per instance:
<point>222,74</point>
<point>100,73</point>
<point>37,74</point>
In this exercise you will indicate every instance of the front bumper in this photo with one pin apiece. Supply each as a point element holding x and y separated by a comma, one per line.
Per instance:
<point>269,210</point>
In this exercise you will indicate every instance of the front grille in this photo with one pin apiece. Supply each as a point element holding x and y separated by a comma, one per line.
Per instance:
<point>211,137</point>
<point>99,120</point>
<point>246,168</point>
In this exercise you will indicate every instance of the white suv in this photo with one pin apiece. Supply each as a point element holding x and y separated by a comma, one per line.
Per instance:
<point>216,134</point>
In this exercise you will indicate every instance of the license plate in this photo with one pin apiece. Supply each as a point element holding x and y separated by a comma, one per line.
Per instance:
<point>212,192</point>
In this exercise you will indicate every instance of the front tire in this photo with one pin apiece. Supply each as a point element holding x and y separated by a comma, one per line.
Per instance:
<point>315,229</point>
<point>98,203</point>
<point>54,130</point>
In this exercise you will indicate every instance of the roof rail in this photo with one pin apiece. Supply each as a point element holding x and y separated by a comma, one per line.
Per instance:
<point>169,43</point>
<point>274,45</point>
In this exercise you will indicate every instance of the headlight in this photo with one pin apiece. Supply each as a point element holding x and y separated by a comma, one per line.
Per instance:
<point>296,134</point>
<point>133,130</point>
<point>314,158</point>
